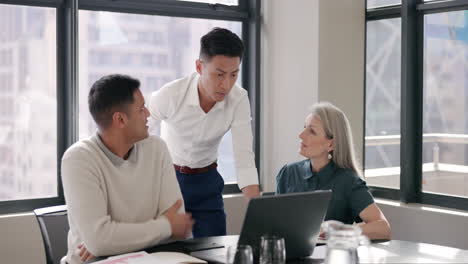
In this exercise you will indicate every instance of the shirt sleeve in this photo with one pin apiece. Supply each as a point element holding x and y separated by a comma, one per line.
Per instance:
<point>360,197</point>
<point>242,145</point>
<point>281,180</point>
<point>159,108</point>
<point>88,209</point>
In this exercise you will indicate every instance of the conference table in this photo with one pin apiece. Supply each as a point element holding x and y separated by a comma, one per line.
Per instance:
<point>392,251</point>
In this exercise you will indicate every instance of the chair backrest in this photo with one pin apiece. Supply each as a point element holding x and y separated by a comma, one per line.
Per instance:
<point>53,223</point>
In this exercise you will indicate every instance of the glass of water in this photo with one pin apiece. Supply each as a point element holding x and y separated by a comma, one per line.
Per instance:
<point>241,254</point>
<point>272,250</point>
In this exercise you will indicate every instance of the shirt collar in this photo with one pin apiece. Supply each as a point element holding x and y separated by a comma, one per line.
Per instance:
<point>193,97</point>
<point>307,169</point>
<point>116,160</point>
<point>325,172</point>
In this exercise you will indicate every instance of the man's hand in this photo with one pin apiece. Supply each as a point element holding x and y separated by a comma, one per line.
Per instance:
<point>251,191</point>
<point>85,255</point>
<point>181,224</point>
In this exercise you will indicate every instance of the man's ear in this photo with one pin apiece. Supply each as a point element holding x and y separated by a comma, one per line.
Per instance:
<point>198,66</point>
<point>119,119</point>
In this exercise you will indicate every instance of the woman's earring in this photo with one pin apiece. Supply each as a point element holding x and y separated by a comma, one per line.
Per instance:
<point>330,156</point>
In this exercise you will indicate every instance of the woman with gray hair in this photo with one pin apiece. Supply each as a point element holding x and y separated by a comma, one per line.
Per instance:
<point>326,142</point>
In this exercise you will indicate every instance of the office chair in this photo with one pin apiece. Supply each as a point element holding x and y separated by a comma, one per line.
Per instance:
<point>53,223</point>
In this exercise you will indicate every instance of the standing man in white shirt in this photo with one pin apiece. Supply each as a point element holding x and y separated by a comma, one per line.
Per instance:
<point>197,111</point>
<point>120,187</point>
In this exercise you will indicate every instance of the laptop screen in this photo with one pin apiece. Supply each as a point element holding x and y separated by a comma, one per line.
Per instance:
<point>296,217</point>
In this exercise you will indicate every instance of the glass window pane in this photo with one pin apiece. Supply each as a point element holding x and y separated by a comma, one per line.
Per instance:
<point>445,125</point>
<point>28,104</point>
<point>381,3</point>
<point>382,152</point>
<point>224,2</point>
<point>154,49</point>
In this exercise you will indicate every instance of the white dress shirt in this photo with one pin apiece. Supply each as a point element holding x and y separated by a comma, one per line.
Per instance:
<point>193,136</point>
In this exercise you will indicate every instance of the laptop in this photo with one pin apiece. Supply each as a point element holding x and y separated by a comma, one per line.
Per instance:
<point>294,216</point>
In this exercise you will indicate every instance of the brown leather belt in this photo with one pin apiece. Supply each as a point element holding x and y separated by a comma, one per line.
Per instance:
<point>188,170</point>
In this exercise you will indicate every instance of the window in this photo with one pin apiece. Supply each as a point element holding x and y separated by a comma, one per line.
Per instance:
<point>382,3</point>
<point>224,2</point>
<point>445,122</point>
<point>147,60</point>
<point>6,56</point>
<point>182,46</point>
<point>382,152</point>
<point>433,132</point>
<point>37,76</point>
<point>6,83</point>
<point>163,61</point>
<point>28,102</point>
<point>158,38</point>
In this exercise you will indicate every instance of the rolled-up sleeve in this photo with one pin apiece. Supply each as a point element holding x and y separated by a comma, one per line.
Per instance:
<point>242,139</point>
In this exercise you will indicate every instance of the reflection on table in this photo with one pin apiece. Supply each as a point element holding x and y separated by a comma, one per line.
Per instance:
<point>394,251</point>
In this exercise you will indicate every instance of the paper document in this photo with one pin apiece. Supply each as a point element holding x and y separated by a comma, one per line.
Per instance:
<point>142,257</point>
<point>174,258</point>
<point>125,258</point>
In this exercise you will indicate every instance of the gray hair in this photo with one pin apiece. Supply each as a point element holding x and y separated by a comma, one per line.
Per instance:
<point>336,127</point>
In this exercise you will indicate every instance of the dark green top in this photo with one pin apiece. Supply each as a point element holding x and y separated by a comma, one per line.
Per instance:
<point>350,193</point>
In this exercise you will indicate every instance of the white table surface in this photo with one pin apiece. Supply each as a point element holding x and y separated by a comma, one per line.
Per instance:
<point>398,251</point>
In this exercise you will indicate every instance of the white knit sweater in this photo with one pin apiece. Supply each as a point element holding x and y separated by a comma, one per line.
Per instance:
<point>115,205</point>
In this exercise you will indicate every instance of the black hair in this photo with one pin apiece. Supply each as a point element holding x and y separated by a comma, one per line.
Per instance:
<point>221,41</point>
<point>109,94</point>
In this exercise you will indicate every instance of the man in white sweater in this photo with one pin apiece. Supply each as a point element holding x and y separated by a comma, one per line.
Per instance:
<point>120,186</point>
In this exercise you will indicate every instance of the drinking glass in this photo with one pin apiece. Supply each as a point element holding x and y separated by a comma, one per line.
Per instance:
<point>241,254</point>
<point>272,250</point>
<point>342,242</point>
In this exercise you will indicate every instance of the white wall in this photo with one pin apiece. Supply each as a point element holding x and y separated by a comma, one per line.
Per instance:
<point>311,51</point>
<point>429,224</point>
<point>341,60</point>
<point>289,80</point>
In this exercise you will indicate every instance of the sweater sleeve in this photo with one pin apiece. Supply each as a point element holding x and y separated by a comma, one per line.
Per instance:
<point>170,190</point>
<point>89,212</point>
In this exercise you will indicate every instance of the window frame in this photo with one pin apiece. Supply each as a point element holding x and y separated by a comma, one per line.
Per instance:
<point>412,14</point>
<point>247,12</point>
